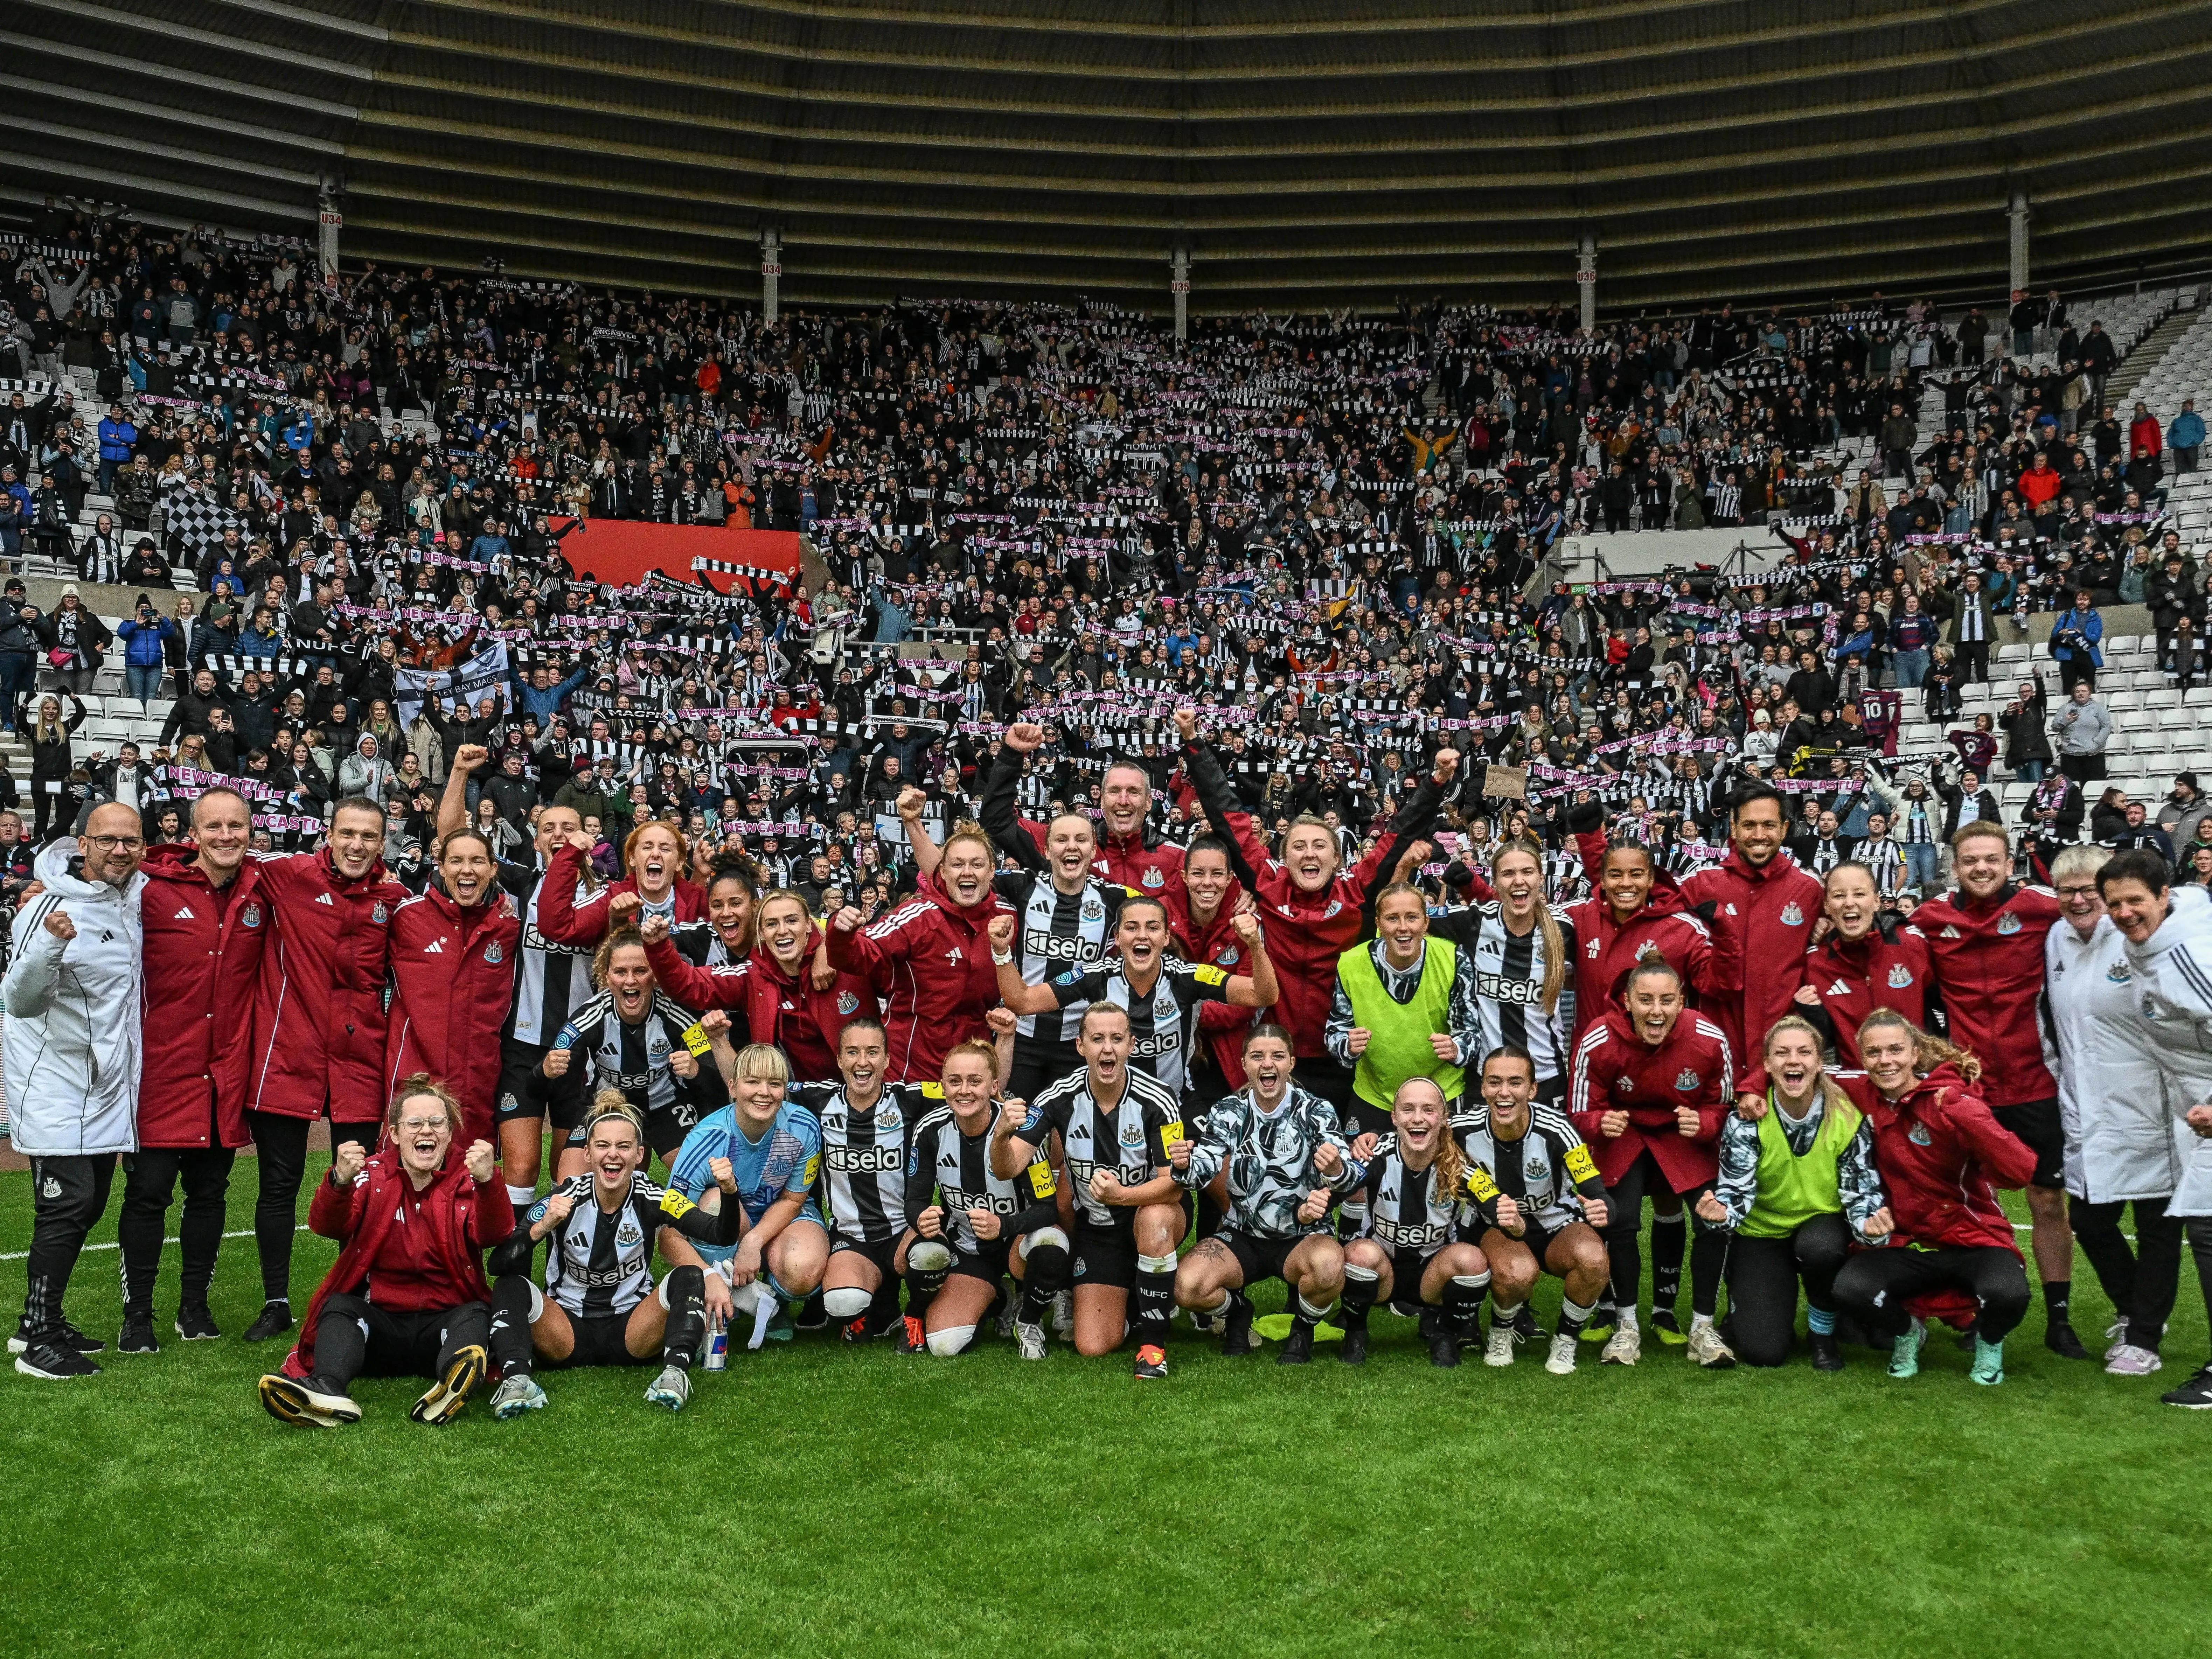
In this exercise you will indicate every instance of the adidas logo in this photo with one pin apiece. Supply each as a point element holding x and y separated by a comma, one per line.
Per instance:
<point>437,947</point>
<point>1948,933</point>
<point>1839,989</point>
<point>185,914</point>
<point>325,898</point>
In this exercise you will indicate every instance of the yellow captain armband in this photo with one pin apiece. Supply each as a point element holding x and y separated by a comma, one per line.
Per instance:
<point>1479,1183</point>
<point>1581,1165</point>
<point>1170,1133</point>
<point>1041,1185</point>
<point>1210,975</point>
<point>813,1168</point>
<point>933,1091</point>
<point>695,1039</point>
<point>674,1204</point>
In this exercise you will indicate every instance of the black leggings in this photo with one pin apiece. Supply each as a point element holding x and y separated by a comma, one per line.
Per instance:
<point>353,1337</point>
<point>1875,1284</point>
<point>68,1195</point>
<point>2141,1284</point>
<point>1624,1234</point>
<point>1763,1275</point>
<point>149,1181</point>
<point>280,1146</point>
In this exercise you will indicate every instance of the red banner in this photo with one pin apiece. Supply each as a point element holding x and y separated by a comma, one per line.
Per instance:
<point>624,551</point>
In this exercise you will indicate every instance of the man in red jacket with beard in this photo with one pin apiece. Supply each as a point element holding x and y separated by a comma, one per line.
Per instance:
<point>319,1026</point>
<point>1648,1090</point>
<point>1774,904</point>
<point>1986,937</point>
<point>205,922</point>
<point>1127,852</point>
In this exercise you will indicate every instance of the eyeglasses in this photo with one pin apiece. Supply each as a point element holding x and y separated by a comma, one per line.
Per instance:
<point>422,1126</point>
<point>113,843</point>
<point>2090,891</point>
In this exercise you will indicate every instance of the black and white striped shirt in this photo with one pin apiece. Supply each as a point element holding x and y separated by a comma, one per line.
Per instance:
<point>1059,931</point>
<point>946,1166</point>
<point>1161,1028</point>
<point>1405,1211</point>
<point>1129,1141</point>
<point>551,981</point>
<point>1547,1172</point>
<point>599,1263</point>
<point>635,1058</point>
<point>864,1154</point>
<point>1509,985</point>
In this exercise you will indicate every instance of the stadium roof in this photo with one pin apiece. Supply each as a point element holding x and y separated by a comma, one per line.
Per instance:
<point>1306,152</point>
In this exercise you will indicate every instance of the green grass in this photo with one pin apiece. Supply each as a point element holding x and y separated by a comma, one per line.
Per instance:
<point>817,1500</point>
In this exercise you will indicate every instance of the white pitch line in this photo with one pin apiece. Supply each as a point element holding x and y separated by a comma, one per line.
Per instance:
<point>19,1255</point>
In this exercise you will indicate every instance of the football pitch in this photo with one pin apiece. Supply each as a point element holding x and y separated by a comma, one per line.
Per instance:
<point>816,1499</point>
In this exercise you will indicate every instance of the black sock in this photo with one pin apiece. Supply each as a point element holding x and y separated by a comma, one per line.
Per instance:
<point>1463,1295</point>
<point>1046,1267</point>
<point>1708,1259</point>
<point>510,1324</point>
<point>1667,1239</point>
<point>2057,1293</point>
<point>1361,1287</point>
<point>1304,1313</point>
<point>883,1311</point>
<point>922,1284</point>
<point>687,1316</point>
<point>1572,1317</point>
<point>1151,1303</point>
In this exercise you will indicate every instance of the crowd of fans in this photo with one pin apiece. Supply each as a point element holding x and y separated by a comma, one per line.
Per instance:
<point>1323,540</point>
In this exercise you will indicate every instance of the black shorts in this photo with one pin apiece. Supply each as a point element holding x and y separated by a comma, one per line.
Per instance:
<point>1261,1258</point>
<point>1538,1238</point>
<point>1363,1117</point>
<point>525,1094</point>
<point>881,1251</point>
<point>602,1340</point>
<point>1105,1256</point>
<point>989,1262</point>
<point>2036,1126</point>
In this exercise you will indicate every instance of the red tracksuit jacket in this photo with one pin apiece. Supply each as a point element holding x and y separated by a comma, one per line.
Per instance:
<point>930,961</point>
<point>423,1249</point>
<point>789,1013</point>
<point>564,920</point>
<point>1222,1024</point>
<point>202,951</point>
<point>319,1017</point>
<point>1773,906</point>
<point>1616,1070</point>
<point>1942,1157</point>
<point>452,976</point>
<point>1890,968</point>
<point>1710,960</point>
<point>1306,931</point>
<point>1989,966</point>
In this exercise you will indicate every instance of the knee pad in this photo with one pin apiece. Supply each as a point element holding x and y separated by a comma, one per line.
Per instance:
<point>952,1340</point>
<point>1043,1238</point>
<point>928,1256</point>
<point>848,1303</point>
<point>537,1301</point>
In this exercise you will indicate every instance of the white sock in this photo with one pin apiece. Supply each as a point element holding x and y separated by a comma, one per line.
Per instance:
<point>521,1195</point>
<point>1626,1318</point>
<point>1700,1322</point>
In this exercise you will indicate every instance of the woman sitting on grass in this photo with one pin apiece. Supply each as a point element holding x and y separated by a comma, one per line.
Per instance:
<point>406,1296</point>
<point>599,1307</point>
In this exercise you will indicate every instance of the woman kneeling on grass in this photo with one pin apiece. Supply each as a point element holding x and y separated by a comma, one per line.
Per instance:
<point>406,1296</point>
<point>599,1307</point>
<point>1797,1184</point>
<point>1942,1157</point>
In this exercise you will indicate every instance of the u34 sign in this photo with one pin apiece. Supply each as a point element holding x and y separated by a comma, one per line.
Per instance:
<point>771,267</point>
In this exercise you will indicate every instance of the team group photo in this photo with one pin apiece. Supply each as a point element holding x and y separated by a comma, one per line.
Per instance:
<point>1380,827</point>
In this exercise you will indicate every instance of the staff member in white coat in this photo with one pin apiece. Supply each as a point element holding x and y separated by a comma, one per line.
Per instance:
<point>71,1062</point>
<point>2119,1148</point>
<point>2169,949</point>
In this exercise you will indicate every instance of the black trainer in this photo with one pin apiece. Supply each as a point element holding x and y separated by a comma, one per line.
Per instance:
<point>196,1324</point>
<point>811,1315</point>
<point>1352,1350</point>
<point>274,1320</point>
<point>1525,1328</point>
<point>2058,1336</point>
<point>22,1341</point>
<point>1444,1346</point>
<point>1298,1346</point>
<point>1828,1352</point>
<point>2194,1394</point>
<point>1236,1337</point>
<point>57,1362</point>
<point>138,1332</point>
